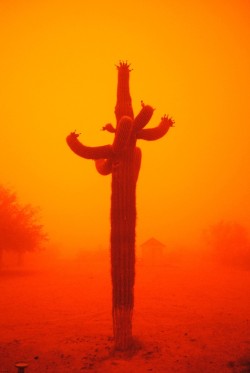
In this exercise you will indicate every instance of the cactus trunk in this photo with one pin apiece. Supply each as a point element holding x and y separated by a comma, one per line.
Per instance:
<point>123,219</point>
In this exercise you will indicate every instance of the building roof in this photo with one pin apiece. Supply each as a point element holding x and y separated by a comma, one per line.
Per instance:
<point>152,242</point>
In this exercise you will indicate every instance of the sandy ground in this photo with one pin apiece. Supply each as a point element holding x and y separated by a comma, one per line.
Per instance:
<point>187,318</point>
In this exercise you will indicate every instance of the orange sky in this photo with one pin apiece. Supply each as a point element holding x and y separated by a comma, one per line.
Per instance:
<point>190,59</point>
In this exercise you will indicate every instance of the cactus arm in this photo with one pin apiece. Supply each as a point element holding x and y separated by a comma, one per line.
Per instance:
<point>144,116</point>
<point>124,102</point>
<point>156,133</point>
<point>109,127</point>
<point>122,134</point>
<point>103,166</point>
<point>137,163</point>
<point>88,152</point>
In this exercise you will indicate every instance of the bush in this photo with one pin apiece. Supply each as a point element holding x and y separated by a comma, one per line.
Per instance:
<point>229,243</point>
<point>19,227</point>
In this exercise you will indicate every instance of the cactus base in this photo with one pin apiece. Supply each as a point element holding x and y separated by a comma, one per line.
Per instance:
<point>122,323</point>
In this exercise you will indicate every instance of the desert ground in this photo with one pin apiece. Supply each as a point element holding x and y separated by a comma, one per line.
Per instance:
<point>188,317</point>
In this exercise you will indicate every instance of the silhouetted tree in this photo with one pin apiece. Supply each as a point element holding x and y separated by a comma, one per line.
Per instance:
<point>229,243</point>
<point>19,227</point>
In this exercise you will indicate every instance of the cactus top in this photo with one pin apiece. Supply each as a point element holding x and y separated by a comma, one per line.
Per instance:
<point>128,128</point>
<point>124,102</point>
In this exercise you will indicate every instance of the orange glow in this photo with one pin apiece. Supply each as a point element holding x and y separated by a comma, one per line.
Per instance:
<point>190,60</point>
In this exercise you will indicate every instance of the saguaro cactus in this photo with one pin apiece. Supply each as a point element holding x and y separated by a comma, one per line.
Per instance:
<point>122,159</point>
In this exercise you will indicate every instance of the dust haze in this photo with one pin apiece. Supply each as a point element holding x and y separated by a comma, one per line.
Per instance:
<point>189,60</point>
<point>56,80</point>
<point>190,315</point>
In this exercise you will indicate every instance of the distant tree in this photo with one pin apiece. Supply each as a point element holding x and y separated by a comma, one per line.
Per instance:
<point>229,243</point>
<point>20,230</point>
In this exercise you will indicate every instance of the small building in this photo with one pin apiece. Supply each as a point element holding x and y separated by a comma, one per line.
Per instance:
<point>152,251</point>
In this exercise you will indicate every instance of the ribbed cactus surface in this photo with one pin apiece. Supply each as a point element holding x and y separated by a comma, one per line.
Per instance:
<point>123,159</point>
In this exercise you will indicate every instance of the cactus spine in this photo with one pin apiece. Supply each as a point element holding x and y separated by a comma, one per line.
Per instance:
<point>123,159</point>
